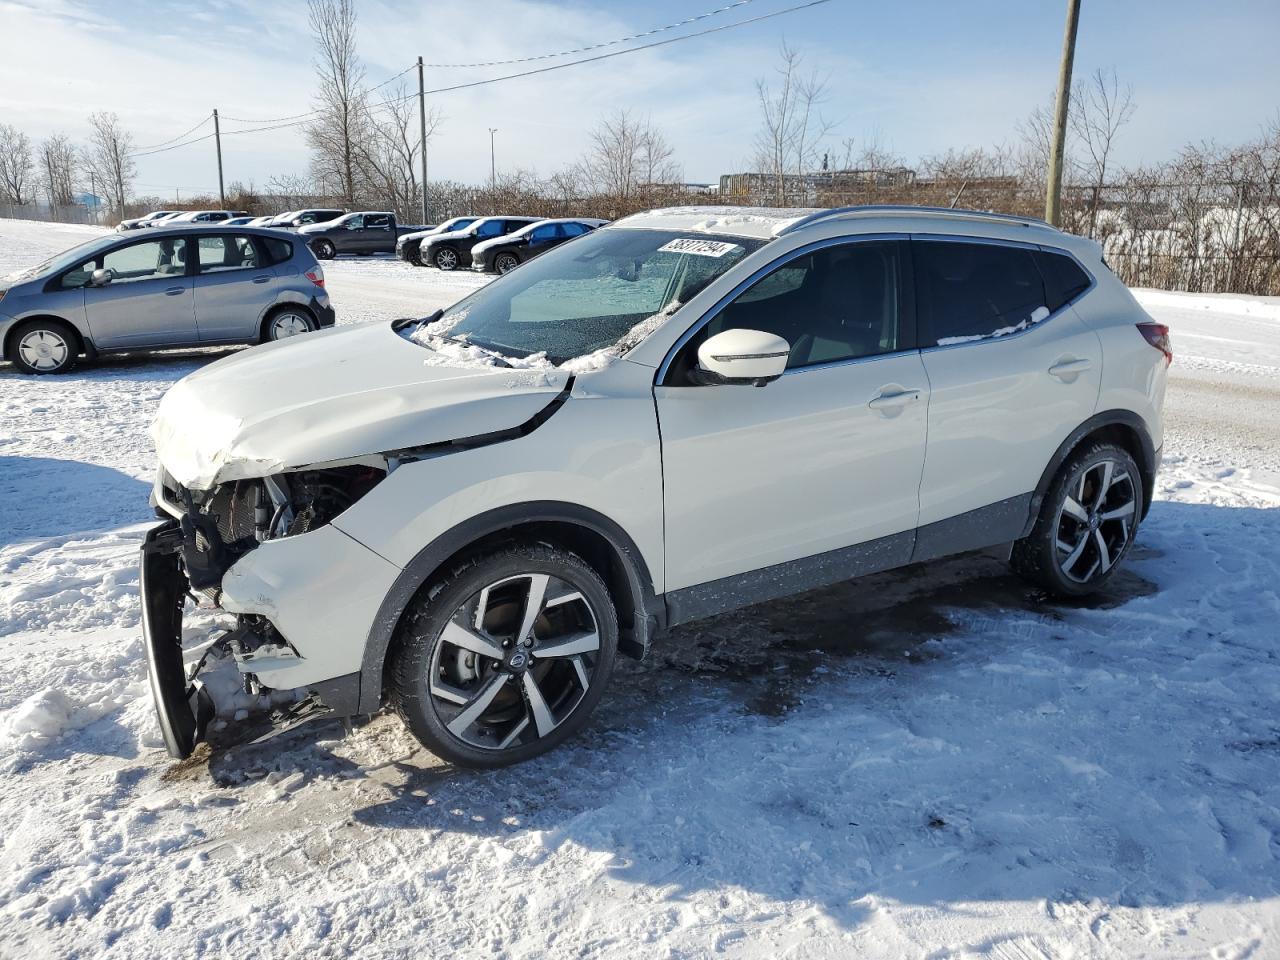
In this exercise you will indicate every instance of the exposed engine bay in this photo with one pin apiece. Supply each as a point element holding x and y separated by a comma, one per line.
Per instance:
<point>209,530</point>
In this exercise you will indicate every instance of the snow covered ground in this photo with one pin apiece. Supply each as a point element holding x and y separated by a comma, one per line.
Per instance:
<point>929,763</point>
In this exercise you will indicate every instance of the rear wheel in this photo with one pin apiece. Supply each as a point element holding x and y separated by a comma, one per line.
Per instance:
<point>45,346</point>
<point>289,322</point>
<point>1087,523</point>
<point>446,258</point>
<point>506,262</point>
<point>506,657</point>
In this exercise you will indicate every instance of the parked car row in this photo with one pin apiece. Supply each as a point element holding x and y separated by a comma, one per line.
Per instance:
<point>495,244</point>
<point>491,244</point>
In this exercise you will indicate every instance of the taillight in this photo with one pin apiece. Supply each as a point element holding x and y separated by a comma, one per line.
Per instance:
<point>1157,334</point>
<point>316,276</point>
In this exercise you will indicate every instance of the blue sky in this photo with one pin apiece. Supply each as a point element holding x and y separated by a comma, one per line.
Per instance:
<point>922,75</point>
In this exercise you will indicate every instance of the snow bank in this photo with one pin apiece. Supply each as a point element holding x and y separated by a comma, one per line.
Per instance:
<point>1240,305</point>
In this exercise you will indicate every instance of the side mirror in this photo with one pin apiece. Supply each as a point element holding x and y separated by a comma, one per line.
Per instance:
<point>101,277</point>
<point>742,357</point>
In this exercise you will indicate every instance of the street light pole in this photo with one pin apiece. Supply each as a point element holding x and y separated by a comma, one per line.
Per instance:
<point>1053,189</point>
<point>493,167</point>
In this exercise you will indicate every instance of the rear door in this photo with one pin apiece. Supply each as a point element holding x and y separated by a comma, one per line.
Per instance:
<point>149,301</point>
<point>379,235</point>
<point>1010,377</point>
<point>233,284</point>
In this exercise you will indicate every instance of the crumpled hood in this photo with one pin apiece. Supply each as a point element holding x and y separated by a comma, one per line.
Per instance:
<point>340,393</point>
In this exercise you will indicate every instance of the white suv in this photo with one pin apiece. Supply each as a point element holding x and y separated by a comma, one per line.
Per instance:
<point>688,411</point>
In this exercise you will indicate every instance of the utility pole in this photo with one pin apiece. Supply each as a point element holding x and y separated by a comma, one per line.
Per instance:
<point>217,139</point>
<point>493,168</point>
<point>422,122</point>
<point>1053,190</point>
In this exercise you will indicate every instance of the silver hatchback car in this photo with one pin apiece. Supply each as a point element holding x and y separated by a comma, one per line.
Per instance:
<point>172,288</point>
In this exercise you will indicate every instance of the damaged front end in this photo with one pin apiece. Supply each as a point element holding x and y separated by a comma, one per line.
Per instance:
<point>206,533</point>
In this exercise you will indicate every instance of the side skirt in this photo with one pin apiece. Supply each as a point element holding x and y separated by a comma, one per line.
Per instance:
<point>995,525</point>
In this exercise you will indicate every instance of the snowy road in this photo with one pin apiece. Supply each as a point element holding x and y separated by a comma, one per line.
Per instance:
<point>921,764</point>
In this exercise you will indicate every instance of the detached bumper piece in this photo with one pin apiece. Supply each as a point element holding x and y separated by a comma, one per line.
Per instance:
<point>183,709</point>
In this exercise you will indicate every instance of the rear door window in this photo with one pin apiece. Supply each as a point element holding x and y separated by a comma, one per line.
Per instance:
<point>379,220</point>
<point>227,252</point>
<point>970,291</point>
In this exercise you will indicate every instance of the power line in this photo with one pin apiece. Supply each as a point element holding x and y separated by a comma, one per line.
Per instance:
<point>187,143</point>
<point>593,46</point>
<point>619,53</point>
<point>562,66</point>
<point>296,120</point>
<point>179,136</point>
<point>312,113</point>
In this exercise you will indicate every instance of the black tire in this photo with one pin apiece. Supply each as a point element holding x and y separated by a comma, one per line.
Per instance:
<point>424,664</point>
<point>44,346</point>
<point>505,262</point>
<point>446,258</point>
<point>1096,528</point>
<point>324,249</point>
<point>416,257</point>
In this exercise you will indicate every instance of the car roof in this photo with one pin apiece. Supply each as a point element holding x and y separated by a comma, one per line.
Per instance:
<point>765,223</point>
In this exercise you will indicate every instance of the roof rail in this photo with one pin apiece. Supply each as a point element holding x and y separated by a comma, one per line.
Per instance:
<point>909,210</point>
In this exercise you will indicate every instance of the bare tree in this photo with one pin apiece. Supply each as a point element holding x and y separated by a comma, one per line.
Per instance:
<point>791,126</point>
<point>1102,107</point>
<point>57,170</point>
<point>390,155</point>
<point>342,123</point>
<point>109,157</point>
<point>627,153</point>
<point>15,165</point>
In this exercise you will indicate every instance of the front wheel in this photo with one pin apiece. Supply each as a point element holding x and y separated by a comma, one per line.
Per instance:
<point>506,262</point>
<point>506,657</point>
<point>445,258</point>
<point>44,346</point>
<point>1086,525</point>
<point>324,249</point>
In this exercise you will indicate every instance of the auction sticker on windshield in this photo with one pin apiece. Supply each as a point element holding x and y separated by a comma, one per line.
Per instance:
<point>700,248</point>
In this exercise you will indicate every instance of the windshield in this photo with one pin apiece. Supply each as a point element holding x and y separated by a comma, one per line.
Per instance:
<point>68,258</point>
<point>591,294</point>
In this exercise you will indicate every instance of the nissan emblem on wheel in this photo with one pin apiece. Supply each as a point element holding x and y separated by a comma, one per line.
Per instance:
<point>668,417</point>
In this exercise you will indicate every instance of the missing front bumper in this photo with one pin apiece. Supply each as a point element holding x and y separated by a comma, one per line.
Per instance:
<point>182,708</point>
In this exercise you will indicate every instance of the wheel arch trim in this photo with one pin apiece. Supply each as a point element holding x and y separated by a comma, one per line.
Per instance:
<point>639,582</point>
<point>1127,420</point>
<point>9,345</point>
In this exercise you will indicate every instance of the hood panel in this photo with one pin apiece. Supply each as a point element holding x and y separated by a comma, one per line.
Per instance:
<point>341,393</point>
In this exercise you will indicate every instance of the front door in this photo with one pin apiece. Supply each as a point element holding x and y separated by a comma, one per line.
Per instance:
<point>827,457</point>
<point>149,300</point>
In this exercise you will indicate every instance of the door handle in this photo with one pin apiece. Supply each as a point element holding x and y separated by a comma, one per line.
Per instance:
<point>1068,370</point>
<point>261,279</point>
<point>174,291</point>
<point>892,401</point>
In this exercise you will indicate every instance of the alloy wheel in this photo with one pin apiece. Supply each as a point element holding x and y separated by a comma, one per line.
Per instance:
<point>514,661</point>
<point>44,350</point>
<point>1095,521</point>
<point>506,263</point>
<point>446,259</point>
